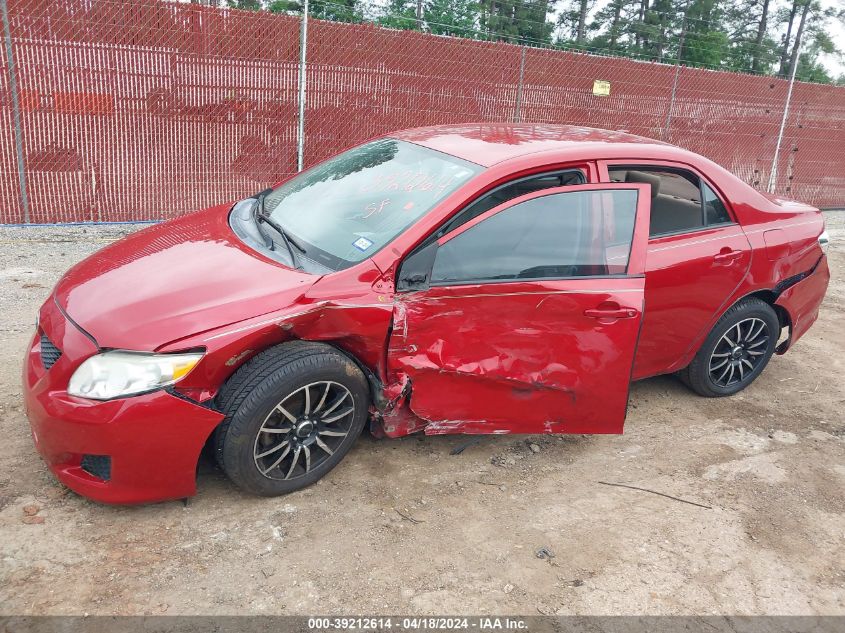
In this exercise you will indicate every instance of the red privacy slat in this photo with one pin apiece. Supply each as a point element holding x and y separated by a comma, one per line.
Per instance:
<point>144,109</point>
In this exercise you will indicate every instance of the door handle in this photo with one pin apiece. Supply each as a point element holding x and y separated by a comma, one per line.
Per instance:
<point>610,313</point>
<point>727,256</point>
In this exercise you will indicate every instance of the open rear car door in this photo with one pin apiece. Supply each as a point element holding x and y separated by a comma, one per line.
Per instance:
<point>525,319</point>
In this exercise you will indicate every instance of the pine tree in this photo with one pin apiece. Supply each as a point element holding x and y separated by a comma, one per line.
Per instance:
<point>705,43</point>
<point>451,17</point>
<point>760,36</point>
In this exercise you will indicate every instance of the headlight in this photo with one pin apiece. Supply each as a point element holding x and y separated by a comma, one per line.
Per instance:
<point>114,374</point>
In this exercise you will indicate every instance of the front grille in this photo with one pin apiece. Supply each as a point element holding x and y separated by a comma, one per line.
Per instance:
<point>97,465</point>
<point>49,352</point>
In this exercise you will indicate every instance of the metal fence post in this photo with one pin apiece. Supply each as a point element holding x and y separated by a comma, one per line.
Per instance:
<point>517,113</point>
<point>773,173</point>
<point>665,135</point>
<point>303,45</point>
<point>16,110</point>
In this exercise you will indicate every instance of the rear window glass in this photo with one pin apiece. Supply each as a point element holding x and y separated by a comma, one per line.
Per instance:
<point>714,210</point>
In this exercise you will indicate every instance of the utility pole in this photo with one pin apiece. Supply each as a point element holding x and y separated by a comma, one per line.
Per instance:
<point>16,110</point>
<point>773,173</point>
<point>303,45</point>
<point>677,74</point>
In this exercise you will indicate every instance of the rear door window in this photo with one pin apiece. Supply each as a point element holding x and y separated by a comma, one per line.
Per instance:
<point>680,200</point>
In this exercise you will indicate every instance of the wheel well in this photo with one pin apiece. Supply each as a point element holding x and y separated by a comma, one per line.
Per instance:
<point>783,317</point>
<point>770,297</point>
<point>376,386</point>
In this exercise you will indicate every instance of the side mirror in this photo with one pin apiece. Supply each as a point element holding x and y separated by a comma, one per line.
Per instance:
<point>415,271</point>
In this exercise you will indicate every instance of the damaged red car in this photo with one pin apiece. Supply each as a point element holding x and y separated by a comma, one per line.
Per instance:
<point>457,279</point>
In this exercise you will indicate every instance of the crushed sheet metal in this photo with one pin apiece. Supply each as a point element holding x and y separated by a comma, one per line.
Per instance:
<point>533,363</point>
<point>324,305</point>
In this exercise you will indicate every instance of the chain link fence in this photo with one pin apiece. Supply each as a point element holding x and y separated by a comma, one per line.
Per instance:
<point>119,110</point>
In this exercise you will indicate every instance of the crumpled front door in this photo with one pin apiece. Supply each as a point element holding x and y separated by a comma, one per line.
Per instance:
<point>540,355</point>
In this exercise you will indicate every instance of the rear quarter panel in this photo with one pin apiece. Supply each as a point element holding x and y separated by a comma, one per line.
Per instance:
<point>803,300</point>
<point>784,243</point>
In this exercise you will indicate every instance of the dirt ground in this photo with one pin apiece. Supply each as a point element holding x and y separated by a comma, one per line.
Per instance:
<point>770,462</point>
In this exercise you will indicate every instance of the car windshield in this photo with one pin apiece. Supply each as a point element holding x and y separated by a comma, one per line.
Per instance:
<point>347,208</point>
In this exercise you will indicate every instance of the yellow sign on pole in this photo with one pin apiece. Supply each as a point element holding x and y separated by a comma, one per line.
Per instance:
<point>601,88</point>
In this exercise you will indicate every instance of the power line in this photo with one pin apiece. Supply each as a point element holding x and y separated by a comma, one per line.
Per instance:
<point>480,34</point>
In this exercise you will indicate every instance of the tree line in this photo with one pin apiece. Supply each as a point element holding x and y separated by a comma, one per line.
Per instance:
<point>758,36</point>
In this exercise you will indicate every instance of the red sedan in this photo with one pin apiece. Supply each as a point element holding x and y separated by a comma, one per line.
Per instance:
<point>457,279</point>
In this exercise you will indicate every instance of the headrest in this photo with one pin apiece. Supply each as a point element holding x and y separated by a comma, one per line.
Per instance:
<point>649,179</point>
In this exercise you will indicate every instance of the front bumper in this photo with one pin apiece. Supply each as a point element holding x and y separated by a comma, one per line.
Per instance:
<point>153,440</point>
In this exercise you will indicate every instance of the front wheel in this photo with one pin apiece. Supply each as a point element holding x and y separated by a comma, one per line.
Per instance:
<point>292,413</point>
<point>736,351</point>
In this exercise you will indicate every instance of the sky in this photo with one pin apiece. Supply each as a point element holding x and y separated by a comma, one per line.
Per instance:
<point>835,65</point>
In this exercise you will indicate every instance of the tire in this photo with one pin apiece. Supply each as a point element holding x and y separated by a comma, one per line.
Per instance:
<point>265,403</point>
<point>721,369</point>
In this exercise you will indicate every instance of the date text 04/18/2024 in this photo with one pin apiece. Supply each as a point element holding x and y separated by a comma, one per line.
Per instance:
<point>430,623</point>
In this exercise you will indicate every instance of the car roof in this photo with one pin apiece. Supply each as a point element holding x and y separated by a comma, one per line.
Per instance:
<point>489,143</point>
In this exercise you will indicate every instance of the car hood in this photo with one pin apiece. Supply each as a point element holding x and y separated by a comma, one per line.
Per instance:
<point>172,280</point>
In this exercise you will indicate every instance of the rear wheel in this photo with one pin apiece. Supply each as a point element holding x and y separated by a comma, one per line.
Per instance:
<point>736,351</point>
<point>292,413</point>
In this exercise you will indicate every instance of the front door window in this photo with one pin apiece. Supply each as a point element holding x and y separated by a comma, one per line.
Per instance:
<point>551,236</point>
